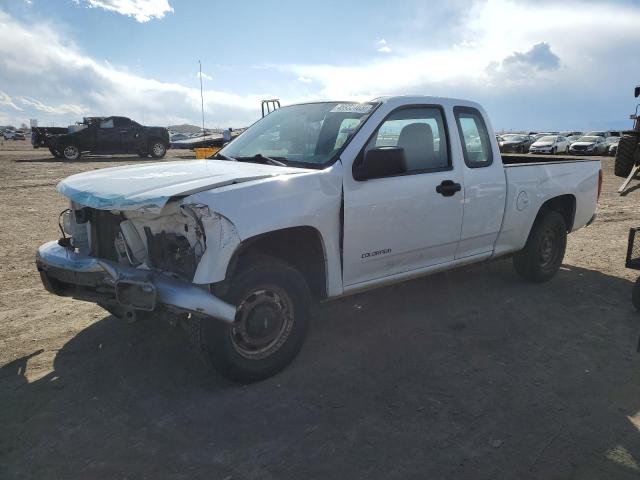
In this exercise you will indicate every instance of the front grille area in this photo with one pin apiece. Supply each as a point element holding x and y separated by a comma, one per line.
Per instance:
<point>105,226</point>
<point>579,148</point>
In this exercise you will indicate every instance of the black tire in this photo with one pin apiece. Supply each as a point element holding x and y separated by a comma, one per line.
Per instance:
<point>635,295</point>
<point>262,286</point>
<point>542,255</point>
<point>626,155</point>
<point>71,152</point>
<point>157,148</point>
<point>553,151</point>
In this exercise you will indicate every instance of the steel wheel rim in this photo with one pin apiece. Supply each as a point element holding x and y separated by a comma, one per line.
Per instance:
<point>548,247</point>
<point>158,148</point>
<point>70,151</point>
<point>263,323</point>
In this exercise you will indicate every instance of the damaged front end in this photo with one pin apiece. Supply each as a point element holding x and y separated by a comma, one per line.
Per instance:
<point>135,260</point>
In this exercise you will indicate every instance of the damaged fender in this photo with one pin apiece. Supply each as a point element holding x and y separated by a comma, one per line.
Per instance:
<point>222,241</point>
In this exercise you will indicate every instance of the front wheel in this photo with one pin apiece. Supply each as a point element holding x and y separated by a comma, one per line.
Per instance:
<point>273,308</point>
<point>157,149</point>
<point>542,255</point>
<point>71,152</point>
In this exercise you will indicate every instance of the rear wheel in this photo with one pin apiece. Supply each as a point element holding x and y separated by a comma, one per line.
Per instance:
<point>273,309</point>
<point>626,155</point>
<point>157,149</point>
<point>542,255</point>
<point>71,152</point>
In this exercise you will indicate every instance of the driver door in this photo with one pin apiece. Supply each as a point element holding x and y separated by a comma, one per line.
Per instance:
<point>106,135</point>
<point>401,223</point>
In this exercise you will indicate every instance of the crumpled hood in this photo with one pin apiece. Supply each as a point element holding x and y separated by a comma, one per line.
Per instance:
<point>148,187</point>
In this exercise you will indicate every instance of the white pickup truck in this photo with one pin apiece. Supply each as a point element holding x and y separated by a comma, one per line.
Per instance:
<point>313,202</point>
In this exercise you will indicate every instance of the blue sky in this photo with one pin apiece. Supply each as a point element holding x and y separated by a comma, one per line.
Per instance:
<point>534,65</point>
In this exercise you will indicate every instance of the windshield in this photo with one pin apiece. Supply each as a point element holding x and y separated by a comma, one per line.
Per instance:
<point>310,134</point>
<point>588,138</point>
<point>547,139</point>
<point>513,138</point>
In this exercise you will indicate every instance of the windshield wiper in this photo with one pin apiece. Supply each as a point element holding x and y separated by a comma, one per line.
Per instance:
<point>225,157</point>
<point>259,156</point>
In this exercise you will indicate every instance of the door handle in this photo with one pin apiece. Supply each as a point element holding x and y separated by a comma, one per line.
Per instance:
<point>123,131</point>
<point>448,188</point>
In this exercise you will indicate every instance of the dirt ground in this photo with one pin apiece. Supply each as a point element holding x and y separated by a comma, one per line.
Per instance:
<point>471,374</point>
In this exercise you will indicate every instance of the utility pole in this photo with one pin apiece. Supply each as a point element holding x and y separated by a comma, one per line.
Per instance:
<point>201,97</point>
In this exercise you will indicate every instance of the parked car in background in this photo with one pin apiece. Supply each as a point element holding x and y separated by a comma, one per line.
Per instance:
<point>598,133</point>
<point>612,145</point>
<point>573,138</point>
<point>103,135</point>
<point>550,144</point>
<point>514,143</point>
<point>589,145</point>
<point>178,136</point>
<point>13,135</point>
<point>574,135</point>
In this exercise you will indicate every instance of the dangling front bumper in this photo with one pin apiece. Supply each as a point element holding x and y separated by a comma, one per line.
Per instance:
<point>66,273</point>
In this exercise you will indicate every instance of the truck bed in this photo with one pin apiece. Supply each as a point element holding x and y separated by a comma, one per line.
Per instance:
<point>511,159</point>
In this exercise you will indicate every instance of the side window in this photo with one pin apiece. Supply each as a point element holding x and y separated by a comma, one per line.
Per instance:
<point>106,123</point>
<point>474,137</point>
<point>122,122</point>
<point>421,133</point>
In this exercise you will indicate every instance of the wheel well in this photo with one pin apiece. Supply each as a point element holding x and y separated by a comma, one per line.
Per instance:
<point>155,139</point>
<point>301,247</point>
<point>563,204</point>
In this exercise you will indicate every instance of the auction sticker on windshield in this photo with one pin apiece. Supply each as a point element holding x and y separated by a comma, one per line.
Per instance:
<point>351,108</point>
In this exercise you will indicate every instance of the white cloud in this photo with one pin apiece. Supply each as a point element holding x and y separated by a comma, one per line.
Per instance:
<point>493,34</point>
<point>382,46</point>
<point>141,10</point>
<point>204,76</point>
<point>304,79</point>
<point>78,85</point>
<point>6,100</point>
<point>59,110</point>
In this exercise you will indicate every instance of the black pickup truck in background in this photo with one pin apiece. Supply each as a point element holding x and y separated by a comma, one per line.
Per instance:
<point>102,135</point>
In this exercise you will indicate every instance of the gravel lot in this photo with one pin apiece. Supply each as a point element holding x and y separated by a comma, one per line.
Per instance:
<point>471,374</point>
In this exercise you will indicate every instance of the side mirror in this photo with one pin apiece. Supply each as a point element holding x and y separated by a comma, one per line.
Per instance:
<point>381,162</point>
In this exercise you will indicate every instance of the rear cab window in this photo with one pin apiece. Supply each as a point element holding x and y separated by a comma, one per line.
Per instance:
<point>474,137</point>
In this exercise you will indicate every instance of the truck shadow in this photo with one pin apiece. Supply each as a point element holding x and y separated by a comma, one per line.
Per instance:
<point>469,374</point>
